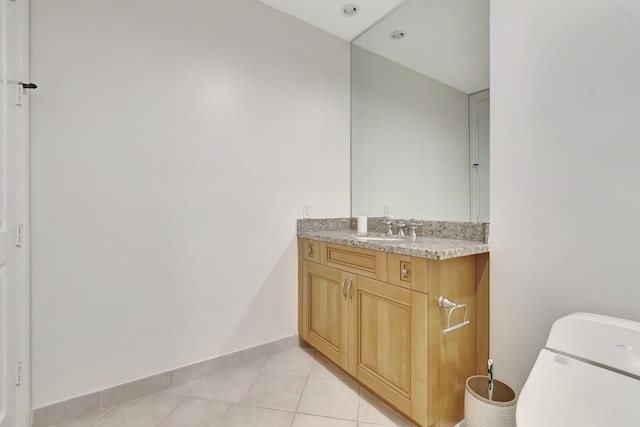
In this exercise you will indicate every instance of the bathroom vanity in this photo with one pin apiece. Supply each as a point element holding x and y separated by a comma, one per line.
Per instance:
<point>371,306</point>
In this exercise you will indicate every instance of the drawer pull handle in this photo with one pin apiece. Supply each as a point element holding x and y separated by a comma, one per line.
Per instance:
<point>310,249</point>
<point>349,290</point>
<point>405,271</point>
<point>344,282</point>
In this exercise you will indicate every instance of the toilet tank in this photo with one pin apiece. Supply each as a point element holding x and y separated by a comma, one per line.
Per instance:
<point>603,340</point>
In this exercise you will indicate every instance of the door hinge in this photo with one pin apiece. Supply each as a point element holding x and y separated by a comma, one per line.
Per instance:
<point>19,235</point>
<point>19,368</point>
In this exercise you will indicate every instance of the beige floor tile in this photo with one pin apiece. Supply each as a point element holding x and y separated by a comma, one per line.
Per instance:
<point>295,362</point>
<point>73,408</point>
<point>193,412</point>
<point>303,420</point>
<point>276,391</point>
<point>331,398</point>
<point>86,421</point>
<point>143,412</point>
<point>374,411</point>
<point>305,345</point>
<point>270,391</point>
<point>247,416</point>
<point>323,368</point>
<point>228,386</point>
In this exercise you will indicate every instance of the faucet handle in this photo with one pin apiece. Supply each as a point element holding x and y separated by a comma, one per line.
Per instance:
<point>389,224</point>
<point>412,229</point>
<point>401,226</point>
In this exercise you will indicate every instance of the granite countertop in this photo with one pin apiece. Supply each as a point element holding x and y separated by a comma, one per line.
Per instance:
<point>423,247</point>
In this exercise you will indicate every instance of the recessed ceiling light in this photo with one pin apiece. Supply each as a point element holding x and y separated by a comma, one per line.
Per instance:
<point>398,35</point>
<point>350,10</point>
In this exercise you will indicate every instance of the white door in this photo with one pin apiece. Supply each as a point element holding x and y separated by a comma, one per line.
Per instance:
<point>14,388</point>
<point>479,115</point>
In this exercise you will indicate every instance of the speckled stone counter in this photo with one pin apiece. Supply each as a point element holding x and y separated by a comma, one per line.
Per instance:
<point>341,231</point>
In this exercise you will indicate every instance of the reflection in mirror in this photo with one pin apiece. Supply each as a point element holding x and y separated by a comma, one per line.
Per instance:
<point>414,151</point>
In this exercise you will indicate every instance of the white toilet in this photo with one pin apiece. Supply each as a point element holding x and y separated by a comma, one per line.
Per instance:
<point>587,375</point>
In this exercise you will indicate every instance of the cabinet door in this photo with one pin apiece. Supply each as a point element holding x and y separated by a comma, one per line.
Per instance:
<point>325,311</point>
<point>380,353</point>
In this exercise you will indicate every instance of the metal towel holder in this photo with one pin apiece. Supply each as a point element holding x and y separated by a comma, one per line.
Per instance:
<point>445,303</point>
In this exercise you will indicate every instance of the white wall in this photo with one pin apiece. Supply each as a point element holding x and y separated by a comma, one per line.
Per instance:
<point>410,146</point>
<point>173,147</point>
<point>564,169</point>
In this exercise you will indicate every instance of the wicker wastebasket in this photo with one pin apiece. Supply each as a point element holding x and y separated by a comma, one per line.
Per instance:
<point>479,411</point>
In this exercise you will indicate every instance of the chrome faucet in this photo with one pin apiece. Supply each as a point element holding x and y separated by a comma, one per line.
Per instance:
<point>400,225</point>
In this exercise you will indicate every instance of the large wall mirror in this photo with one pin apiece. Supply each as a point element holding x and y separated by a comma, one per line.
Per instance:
<point>420,113</point>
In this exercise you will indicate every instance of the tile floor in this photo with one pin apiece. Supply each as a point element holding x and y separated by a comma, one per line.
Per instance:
<point>295,388</point>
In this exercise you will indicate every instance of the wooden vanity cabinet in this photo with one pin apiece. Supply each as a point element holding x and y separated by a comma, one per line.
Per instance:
<point>375,315</point>
<point>325,322</point>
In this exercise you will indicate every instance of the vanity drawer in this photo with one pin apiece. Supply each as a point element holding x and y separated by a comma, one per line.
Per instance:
<point>365,262</point>
<point>409,272</point>
<point>310,250</point>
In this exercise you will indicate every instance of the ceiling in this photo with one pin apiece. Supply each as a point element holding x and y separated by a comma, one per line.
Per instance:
<point>447,40</point>
<point>327,14</point>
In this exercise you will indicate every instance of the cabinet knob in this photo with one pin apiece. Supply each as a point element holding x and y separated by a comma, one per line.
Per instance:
<point>310,249</point>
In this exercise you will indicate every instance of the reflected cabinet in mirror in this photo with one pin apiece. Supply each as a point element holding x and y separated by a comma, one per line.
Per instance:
<point>420,113</point>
